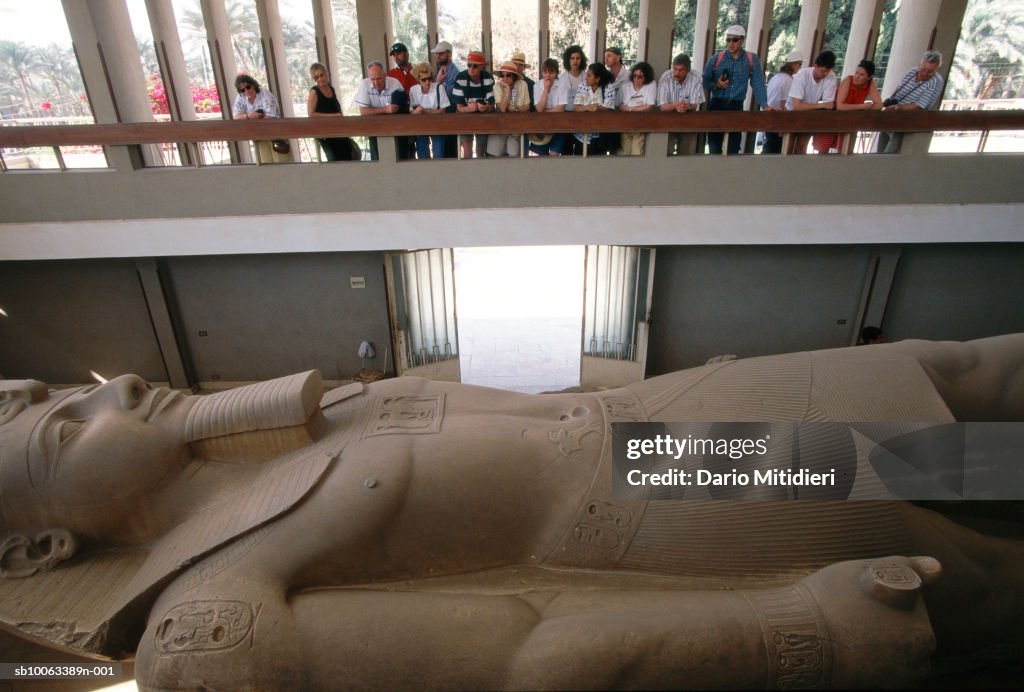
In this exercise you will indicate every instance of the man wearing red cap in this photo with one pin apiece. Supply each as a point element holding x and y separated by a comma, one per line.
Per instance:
<point>474,93</point>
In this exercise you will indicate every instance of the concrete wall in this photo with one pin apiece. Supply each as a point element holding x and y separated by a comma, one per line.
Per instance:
<point>258,317</point>
<point>753,301</point>
<point>238,318</point>
<point>268,315</point>
<point>67,318</point>
<point>957,292</point>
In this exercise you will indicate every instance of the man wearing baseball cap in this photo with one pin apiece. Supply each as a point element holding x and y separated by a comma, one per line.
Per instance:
<point>402,71</point>
<point>726,76</point>
<point>445,73</point>
<point>620,75</point>
<point>778,93</point>
<point>474,93</point>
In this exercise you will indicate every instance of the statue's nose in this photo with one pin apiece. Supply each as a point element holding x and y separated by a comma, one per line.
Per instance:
<point>125,392</point>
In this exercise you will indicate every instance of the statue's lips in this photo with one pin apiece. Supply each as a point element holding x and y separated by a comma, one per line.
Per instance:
<point>280,403</point>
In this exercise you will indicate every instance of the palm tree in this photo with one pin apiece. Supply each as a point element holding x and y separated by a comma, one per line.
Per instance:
<point>20,61</point>
<point>990,54</point>
<point>59,66</point>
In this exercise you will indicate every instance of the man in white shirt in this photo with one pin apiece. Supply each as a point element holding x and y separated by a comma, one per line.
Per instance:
<point>778,93</point>
<point>814,88</point>
<point>680,90</point>
<point>549,96</point>
<point>374,96</point>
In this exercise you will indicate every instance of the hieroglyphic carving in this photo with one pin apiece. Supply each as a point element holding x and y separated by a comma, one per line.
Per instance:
<point>406,415</point>
<point>796,638</point>
<point>204,626</point>
<point>620,409</point>
<point>604,526</point>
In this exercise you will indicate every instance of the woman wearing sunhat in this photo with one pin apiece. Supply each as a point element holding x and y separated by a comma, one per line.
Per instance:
<point>510,96</point>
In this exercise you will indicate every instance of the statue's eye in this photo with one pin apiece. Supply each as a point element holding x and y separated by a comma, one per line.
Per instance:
<point>69,428</point>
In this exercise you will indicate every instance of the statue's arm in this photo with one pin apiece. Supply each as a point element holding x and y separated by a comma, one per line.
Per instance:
<point>828,630</point>
<point>980,380</point>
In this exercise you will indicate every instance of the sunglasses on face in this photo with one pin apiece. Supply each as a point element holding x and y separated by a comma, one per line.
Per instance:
<point>733,39</point>
<point>244,88</point>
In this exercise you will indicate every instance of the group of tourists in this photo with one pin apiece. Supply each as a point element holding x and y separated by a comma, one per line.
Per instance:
<point>574,84</point>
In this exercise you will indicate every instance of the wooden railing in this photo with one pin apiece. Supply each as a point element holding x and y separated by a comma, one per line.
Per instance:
<point>388,125</point>
<point>191,137</point>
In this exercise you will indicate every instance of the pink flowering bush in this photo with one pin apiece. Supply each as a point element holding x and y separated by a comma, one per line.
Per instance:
<point>204,98</point>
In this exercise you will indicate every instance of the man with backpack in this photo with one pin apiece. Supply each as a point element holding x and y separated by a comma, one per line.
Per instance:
<point>726,76</point>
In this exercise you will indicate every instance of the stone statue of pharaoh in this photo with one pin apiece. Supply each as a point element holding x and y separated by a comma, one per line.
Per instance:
<point>411,532</point>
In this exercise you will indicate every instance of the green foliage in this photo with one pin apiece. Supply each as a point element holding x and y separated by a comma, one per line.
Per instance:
<point>37,81</point>
<point>409,20</point>
<point>989,61</point>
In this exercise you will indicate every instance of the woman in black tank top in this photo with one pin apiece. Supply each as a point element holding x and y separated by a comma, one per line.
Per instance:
<point>323,102</point>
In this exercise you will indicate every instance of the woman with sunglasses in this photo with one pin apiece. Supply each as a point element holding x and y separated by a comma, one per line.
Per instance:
<point>253,102</point>
<point>428,96</point>
<point>640,93</point>
<point>511,95</point>
<point>323,102</point>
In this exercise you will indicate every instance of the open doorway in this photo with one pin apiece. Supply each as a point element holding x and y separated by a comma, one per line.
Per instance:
<point>520,313</point>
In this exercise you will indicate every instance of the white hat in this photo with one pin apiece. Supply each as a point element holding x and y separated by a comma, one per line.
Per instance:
<point>735,30</point>
<point>794,56</point>
<point>441,47</point>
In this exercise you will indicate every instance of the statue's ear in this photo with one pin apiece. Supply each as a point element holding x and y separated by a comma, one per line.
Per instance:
<point>21,556</point>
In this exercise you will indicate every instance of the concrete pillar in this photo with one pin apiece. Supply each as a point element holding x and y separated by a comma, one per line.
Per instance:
<point>810,37</point>
<point>171,59</point>
<point>101,33</point>
<point>759,29</point>
<point>864,29</point>
<point>432,37</point>
<point>657,19</point>
<point>915,29</point>
<point>173,72</point>
<point>222,62</point>
<point>543,32</point>
<point>272,40</point>
<point>598,30</point>
<point>922,25</point>
<point>947,32</point>
<point>374,18</point>
<point>160,316</point>
<point>705,30</point>
<point>326,39</point>
<point>485,31</point>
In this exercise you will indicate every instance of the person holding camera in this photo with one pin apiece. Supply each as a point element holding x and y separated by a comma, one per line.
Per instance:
<point>726,76</point>
<point>254,103</point>
<point>920,88</point>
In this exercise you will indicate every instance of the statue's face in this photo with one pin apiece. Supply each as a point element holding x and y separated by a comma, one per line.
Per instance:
<point>100,445</point>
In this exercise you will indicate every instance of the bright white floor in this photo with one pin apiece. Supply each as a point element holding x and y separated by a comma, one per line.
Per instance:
<point>519,316</point>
